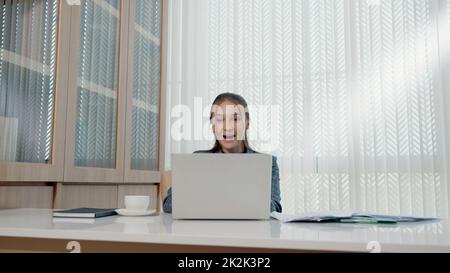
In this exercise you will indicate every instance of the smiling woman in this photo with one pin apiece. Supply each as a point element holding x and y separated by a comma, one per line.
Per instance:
<point>230,120</point>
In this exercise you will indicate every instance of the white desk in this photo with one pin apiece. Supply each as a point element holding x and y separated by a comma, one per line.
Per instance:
<point>36,230</point>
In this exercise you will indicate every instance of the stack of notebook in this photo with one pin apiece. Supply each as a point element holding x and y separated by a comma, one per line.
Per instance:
<point>84,213</point>
<point>346,217</point>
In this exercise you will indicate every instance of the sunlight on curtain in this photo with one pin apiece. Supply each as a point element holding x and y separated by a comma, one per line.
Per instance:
<point>399,162</point>
<point>28,31</point>
<point>448,13</point>
<point>342,92</point>
<point>447,17</point>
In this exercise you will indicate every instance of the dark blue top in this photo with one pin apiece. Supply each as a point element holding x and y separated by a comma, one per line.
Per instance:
<point>275,204</point>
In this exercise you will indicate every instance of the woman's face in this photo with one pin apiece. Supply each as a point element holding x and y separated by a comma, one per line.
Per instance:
<point>229,125</point>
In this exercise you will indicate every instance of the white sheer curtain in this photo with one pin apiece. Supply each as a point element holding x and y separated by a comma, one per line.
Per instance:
<point>349,95</point>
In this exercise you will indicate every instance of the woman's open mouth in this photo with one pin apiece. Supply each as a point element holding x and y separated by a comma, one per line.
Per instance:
<point>229,137</point>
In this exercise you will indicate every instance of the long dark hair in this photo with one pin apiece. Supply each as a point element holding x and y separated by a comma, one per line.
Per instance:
<point>238,100</point>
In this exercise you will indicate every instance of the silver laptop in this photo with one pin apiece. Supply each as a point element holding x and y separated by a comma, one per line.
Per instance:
<point>221,186</point>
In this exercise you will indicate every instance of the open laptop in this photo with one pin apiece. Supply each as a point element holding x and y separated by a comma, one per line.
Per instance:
<point>221,186</point>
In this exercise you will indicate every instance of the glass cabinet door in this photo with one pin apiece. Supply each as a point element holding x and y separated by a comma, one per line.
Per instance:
<point>94,93</point>
<point>27,80</point>
<point>143,92</point>
<point>28,68</point>
<point>97,86</point>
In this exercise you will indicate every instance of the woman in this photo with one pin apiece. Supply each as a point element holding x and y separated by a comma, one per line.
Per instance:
<point>230,120</point>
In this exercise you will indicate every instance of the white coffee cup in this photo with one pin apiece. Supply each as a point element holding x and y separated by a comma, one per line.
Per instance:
<point>137,202</point>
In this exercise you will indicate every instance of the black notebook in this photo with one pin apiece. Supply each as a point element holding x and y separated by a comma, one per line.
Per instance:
<point>84,213</point>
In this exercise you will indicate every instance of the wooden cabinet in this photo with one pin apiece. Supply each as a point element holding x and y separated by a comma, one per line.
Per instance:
<point>81,101</point>
<point>81,95</point>
<point>18,196</point>
<point>102,196</point>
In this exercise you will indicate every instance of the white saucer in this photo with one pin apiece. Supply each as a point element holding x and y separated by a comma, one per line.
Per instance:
<point>128,212</point>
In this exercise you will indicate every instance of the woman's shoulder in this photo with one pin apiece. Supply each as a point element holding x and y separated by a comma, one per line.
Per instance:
<point>274,158</point>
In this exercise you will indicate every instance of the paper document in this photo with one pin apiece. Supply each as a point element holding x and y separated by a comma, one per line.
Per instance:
<point>346,217</point>
<point>312,217</point>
